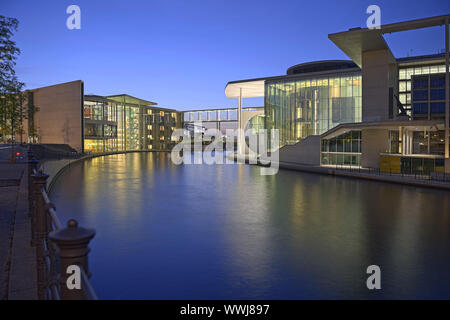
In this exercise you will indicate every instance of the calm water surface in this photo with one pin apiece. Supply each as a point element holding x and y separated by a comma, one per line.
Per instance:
<point>225,231</point>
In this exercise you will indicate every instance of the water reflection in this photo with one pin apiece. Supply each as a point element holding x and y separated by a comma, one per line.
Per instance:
<point>221,232</point>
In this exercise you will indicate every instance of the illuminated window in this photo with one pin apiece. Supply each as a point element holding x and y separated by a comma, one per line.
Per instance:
<point>149,127</point>
<point>161,138</point>
<point>149,111</point>
<point>161,113</point>
<point>161,128</point>
<point>150,137</point>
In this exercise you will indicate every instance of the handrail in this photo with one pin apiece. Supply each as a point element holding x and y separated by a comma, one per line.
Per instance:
<point>437,177</point>
<point>90,292</point>
<point>55,244</point>
<point>51,211</point>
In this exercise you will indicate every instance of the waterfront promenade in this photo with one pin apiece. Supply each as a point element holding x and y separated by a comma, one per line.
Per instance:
<point>18,278</point>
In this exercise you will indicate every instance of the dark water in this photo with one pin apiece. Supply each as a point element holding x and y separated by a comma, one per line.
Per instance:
<point>222,232</point>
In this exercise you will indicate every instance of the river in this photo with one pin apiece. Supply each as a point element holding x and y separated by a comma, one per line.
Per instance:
<point>226,232</point>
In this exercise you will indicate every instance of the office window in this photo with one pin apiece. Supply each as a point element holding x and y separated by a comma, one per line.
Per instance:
<point>420,108</point>
<point>420,95</point>
<point>436,82</point>
<point>437,94</point>
<point>420,83</point>
<point>437,107</point>
<point>342,150</point>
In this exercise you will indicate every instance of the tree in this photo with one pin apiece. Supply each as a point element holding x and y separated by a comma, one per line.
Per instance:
<point>12,111</point>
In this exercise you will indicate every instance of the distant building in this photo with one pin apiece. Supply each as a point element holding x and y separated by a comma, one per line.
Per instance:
<point>94,124</point>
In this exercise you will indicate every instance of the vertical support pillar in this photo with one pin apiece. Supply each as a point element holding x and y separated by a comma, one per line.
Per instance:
<point>240,133</point>
<point>32,165</point>
<point>72,243</point>
<point>403,138</point>
<point>447,108</point>
<point>40,229</point>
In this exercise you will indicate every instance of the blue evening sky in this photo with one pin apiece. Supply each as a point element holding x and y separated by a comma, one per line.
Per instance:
<point>181,54</point>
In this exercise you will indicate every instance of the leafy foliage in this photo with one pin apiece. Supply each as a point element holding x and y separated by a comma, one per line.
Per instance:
<point>12,111</point>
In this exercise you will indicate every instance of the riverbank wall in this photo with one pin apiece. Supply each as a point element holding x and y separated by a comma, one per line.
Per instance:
<point>358,173</point>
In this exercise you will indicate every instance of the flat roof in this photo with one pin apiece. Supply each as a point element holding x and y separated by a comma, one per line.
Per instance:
<point>131,100</point>
<point>321,65</point>
<point>421,60</point>
<point>97,98</point>
<point>252,88</point>
<point>54,85</point>
<point>357,40</point>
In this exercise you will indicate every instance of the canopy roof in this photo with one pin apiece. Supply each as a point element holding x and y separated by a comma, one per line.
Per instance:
<point>251,88</point>
<point>131,100</point>
<point>357,40</point>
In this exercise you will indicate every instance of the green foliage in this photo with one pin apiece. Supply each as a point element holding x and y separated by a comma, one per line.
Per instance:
<point>12,111</point>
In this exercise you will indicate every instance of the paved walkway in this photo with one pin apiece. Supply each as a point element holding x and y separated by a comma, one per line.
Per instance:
<point>17,258</point>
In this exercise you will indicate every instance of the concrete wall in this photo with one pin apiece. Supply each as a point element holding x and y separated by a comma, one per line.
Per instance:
<point>59,119</point>
<point>378,74</point>
<point>374,142</point>
<point>306,151</point>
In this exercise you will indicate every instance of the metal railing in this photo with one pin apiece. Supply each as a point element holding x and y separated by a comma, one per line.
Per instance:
<point>417,175</point>
<point>57,247</point>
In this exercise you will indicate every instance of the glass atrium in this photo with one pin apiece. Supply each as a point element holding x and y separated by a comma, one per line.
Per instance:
<point>302,107</point>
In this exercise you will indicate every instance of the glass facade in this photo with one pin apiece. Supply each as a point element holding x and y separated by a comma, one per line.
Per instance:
<point>405,75</point>
<point>303,106</point>
<point>255,124</point>
<point>220,119</point>
<point>428,96</point>
<point>111,125</point>
<point>428,142</point>
<point>158,128</point>
<point>395,144</point>
<point>100,125</point>
<point>342,150</point>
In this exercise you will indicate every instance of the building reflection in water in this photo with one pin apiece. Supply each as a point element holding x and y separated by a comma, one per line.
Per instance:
<point>225,231</point>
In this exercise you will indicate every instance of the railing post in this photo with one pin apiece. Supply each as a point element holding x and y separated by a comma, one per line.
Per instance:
<point>73,249</point>
<point>32,165</point>
<point>40,232</point>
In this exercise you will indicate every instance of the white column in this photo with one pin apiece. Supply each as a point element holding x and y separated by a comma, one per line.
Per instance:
<point>403,137</point>
<point>241,138</point>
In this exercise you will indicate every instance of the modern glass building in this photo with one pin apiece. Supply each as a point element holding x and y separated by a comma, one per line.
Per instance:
<point>375,111</point>
<point>123,122</point>
<point>315,98</point>
<point>416,66</point>
<point>309,100</point>
<point>344,149</point>
<point>100,124</point>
